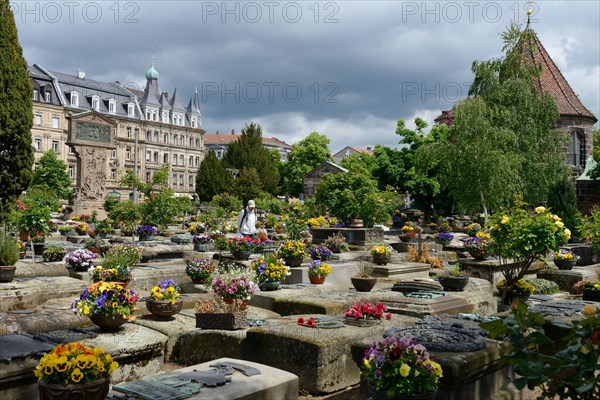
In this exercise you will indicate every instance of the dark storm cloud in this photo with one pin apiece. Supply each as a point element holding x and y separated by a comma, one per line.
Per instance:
<point>348,69</point>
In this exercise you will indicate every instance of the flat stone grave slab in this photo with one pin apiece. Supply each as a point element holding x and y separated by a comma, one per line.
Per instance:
<point>565,279</point>
<point>195,345</point>
<point>491,269</point>
<point>29,293</point>
<point>268,384</point>
<point>476,298</point>
<point>403,270</point>
<point>320,357</point>
<point>357,236</point>
<point>27,269</point>
<point>53,315</point>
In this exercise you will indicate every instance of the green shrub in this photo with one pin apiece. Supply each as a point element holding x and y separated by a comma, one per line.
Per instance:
<point>9,250</point>
<point>228,202</point>
<point>543,286</point>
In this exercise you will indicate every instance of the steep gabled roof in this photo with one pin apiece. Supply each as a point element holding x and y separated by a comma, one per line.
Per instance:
<point>225,139</point>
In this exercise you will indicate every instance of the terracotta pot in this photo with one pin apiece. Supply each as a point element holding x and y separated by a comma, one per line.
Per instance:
<point>95,390</point>
<point>108,322</point>
<point>363,284</point>
<point>22,255</point>
<point>162,309</point>
<point>316,280</point>
<point>7,273</point>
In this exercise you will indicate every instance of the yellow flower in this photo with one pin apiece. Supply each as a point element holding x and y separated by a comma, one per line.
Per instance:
<point>170,290</point>
<point>81,361</point>
<point>567,234</point>
<point>76,375</point>
<point>114,365</point>
<point>540,209</point>
<point>556,217</point>
<point>559,224</point>
<point>505,219</point>
<point>589,310</point>
<point>404,370</point>
<point>437,369</point>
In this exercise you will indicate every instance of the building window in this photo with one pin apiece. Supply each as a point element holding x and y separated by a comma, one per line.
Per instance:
<point>181,140</point>
<point>174,139</point>
<point>148,136</point>
<point>113,153</point>
<point>165,158</point>
<point>111,106</point>
<point>154,116</point>
<point>196,161</point>
<point>174,162</point>
<point>74,99</point>
<point>55,146</point>
<point>148,115</point>
<point>191,181</point>
<point>197,142</point>
<point>148,156</point>
<point>575,148</point>
<point>37,119</point>
<point>113,174</point>
<point>71,171</point>
<point>156,157</point>
<point>156,136</point>
<point>180,179</point>
<point>128,132</point>
<point>148,176</point>
<point>174,179</point>
<point>219,154</point>
<point>165,138</point>
<point>165,117</point>
<point>191,161</point>
<point>71,151</point>
<point>37,144</point>
<point>35,95</point>
<point>193,123</point>
<point>55,122</point>
<point>191,142</point>
<point>130,110</point>
<point>95,103</point>
<point>181,159</point>
<point>48,96</point>
<point>128,153</point>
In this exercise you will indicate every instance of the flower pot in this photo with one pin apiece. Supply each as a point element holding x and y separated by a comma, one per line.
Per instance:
<point>375,395</point>
<point>7,273</point>
<point>316,280</point>
<point>146,238</point>
<point>202,247</point>
<point>380,259</point>
<point>241,255</point>
<point>363,284</point>
<point>565,264</point>
<point>478,255</point>
<point>453,283</point>
<point>198,281</point>
<point>38,249</point>
<point>406,238</point>
<point>356,223</point>
<point>591,295</point>
<point>227,321</point>
<point>162,309</point>
<point>269,285</point>
<point>510,296</point>
<point>443,242</point>
<point>95,390</point>
<point>293,262</point>
<point>108,322</point>
<point>22,255</point>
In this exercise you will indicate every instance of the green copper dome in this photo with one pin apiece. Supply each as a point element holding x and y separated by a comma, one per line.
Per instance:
<point>152,73</point>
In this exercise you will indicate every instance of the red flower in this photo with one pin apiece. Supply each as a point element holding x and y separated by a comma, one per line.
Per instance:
<point>388,316</point>
<point>310,323</point>
<point>301,321</point>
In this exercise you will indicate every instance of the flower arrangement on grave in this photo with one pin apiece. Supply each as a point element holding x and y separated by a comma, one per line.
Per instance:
<point>478,246</point>
<point>472,229</point>
<point>22,246</point>
<point>309,322</point>
<point>147,230</point>
<point>166,290</point>
<point>336,243</point>
<point>566,255</point>
<point>80,227</point>
<point>122,255</point>
<point>106,298</point>
<point>318,222</point>
<point>409,228</point>
<point>367,311</point>
<point>197,228</point>
<point>73,363</point>
<point>199,269</point>
<point>381,249</point>
<point>319,269</point>
<point>319,252</point>
<point>235,286</point>
<point>202,239</point>
<point>270,268</point>
<point>65,229</point>
<point>244,243</point>
<point>400,366</point>
<point>443,238</point>
<point>587,284</point>
<point>119,274</point>
<point>291,248</point>
<point>80,259</point>
<point>519,288</point>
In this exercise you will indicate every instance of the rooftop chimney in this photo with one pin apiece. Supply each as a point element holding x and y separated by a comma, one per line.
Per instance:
<point>217,132</point>
<point>233,131</point>
<point>81,74</point>
<point>368,148</point>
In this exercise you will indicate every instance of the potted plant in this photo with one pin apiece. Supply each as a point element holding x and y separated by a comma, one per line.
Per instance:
<point>363,281</point>
<point>197,228</point>
<point>201,242</point>
<point>400,366</point>
<point>95,245</point>
<point>122,255</point>
<point>118,274</point>
<point>74,370</point>
<point>292,252</point>
<point>589,289</point>
<point>336,243</point>
<point>241,248</point>
<point>164,301</point>
<point>199,270</point>
<point>565,259</point>
<point>54,253</point>
<point>38,242</point>
<point>104,229</point>
<point>478,246</point>
<point>318,271</point>
<point>9,254</point>
<point>472,229</point>
<point>520,289</point>
<point>319,252</point>
<point>453,279</point>
<point>80,259</point>
<point>443,238</point>
<point>80,227</point>
<point>22,249</point>
<point>147,232</point>
<point>270,271</point>
<point>108,304</point>
<point>65,230</point>
<point>381,254</point>
<point>366,314</point>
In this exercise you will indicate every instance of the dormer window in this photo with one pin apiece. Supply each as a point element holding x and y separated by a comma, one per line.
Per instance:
<point>96,103</point>
<point>130,110</point>
<point>48,96</point>
<point>165,117</point>
<point>193,122</point>
<point>74,99</point>
<point>112,106</point>
<point>35,95</point>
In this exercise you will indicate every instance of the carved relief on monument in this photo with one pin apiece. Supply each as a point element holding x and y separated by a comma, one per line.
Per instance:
<point>92,173</point>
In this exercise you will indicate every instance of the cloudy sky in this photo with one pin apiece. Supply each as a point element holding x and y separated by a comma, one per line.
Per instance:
<point>347,69</point>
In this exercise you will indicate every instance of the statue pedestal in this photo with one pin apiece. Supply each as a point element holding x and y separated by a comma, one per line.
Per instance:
<point>85,207</point>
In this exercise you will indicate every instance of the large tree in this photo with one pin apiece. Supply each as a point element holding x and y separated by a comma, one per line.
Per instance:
<point>212,178</point>
<point>248,152</point>
<point>52,175</point>
<point>16,115</point>
<point>306,155</point>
